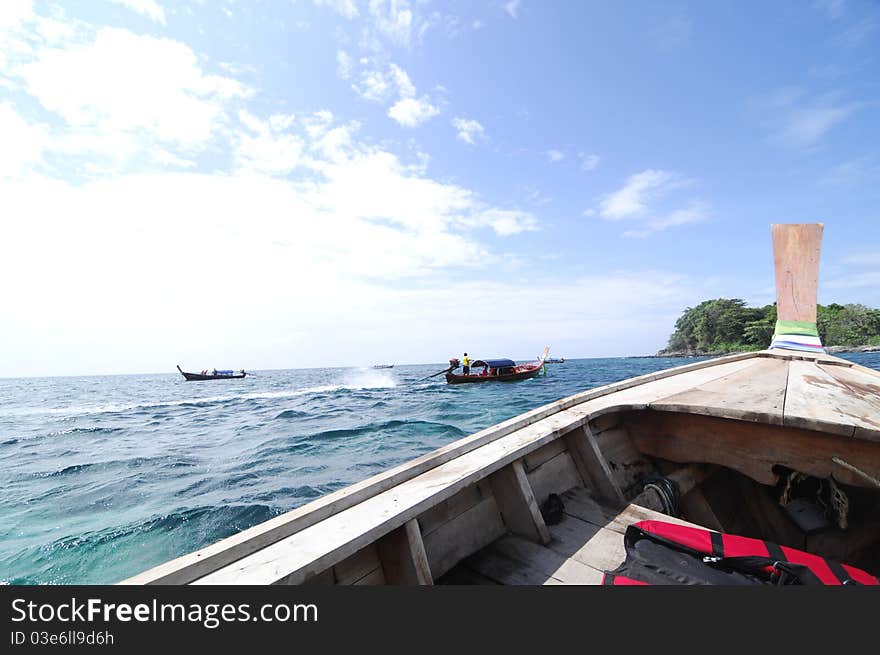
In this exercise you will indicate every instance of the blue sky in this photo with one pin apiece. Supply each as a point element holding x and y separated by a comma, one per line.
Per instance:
<point>346,182</point>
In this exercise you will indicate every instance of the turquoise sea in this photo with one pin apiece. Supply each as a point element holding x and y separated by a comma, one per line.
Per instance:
<point>106,476</point>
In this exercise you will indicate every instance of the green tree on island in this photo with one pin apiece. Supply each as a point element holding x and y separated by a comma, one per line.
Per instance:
<point>728,325</point>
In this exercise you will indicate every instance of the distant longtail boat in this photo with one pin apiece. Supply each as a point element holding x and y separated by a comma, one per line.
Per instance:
<point>213,375</point>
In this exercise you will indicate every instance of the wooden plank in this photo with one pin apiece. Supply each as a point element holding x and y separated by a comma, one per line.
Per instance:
<point>535,459</point>
<point>641,396</point>
<point>751,448</point>
<point>403,558</point>
<point>505,570</point>
<point>626,463</point>
<point>546,560</point>
<point>462,575</point>
<point>450,508</point>
<point>464,535</point>
<point>555,476</point>
<point>796,262</point>
<point>591,465</point>
<point>579,504</point>
<point>517,503</point>
<point>599,548</point>
<point>353,568</point>
<point>863,385</point>
<point>604,422</point>
<point>323,578</point>
<point>816,400</point>
<point>754,394</point>
<point>374,577</point>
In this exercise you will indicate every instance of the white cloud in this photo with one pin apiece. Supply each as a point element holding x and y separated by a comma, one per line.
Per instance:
<point>344,64</point>
<point>469,130</point>
<point>411,112</point>
<point>393,18</point>
<point>346,8</point>
<point>512,8</point>
<point>362,213</point>
<point>631,199</point>
<point>405,87</point>
<point>126,82</point>
<point>506,222</point>
<point>694,212</point>
<point>23,143</point>
<point>641,199</point>
<point>799,121</point>
<point>15,12</point>
<point>588,162</point>
<point>149,8</point>
<point>374,85</point>
<point>381,86</point>
<point>378,85</point>
<point>267,146</point>
<point>807,125</point>
<point>554,156</point>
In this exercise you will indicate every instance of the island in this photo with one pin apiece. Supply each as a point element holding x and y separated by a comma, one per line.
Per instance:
<point>727,325</point>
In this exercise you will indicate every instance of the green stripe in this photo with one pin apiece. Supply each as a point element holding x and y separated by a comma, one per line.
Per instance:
<point>803,328</point>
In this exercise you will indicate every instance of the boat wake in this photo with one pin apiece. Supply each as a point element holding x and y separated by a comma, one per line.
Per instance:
<point>355,382</point>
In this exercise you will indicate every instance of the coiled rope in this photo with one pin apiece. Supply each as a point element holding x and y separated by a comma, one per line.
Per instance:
<point>666,489</point>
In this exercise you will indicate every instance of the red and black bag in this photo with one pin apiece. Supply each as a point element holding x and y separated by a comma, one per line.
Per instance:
<point>658,552</point>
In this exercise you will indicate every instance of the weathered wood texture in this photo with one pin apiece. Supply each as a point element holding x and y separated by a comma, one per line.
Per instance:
<point>464,535</point>
<point>554,476</point>
<point>750,448</point>
<point>592,466</point>
<point>796,261</point>
<point>403,558</point>
<point>586,543</point>
<point>832,399</point>
<point>360,565</point>
<point>517,503</point>
<point>626,464</point>
<point>756,393</point>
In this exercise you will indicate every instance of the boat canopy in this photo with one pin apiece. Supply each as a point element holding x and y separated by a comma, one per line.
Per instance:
<point>493,363</point>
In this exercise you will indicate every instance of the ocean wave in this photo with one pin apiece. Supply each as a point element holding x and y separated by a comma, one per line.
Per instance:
<point>93,557</point>
<point>357,383</point>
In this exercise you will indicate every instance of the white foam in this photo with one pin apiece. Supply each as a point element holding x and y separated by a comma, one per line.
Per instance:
<point>356,381</point>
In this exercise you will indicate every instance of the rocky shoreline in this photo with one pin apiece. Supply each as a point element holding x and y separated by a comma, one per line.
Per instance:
<point>831,350</point>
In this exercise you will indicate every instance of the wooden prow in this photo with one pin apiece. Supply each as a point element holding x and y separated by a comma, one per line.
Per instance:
<point>796,250</point>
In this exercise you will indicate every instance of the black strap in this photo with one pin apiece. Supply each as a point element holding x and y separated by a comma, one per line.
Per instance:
<point>717,544</point>
<point>839,572</point>
<point>775,551</point>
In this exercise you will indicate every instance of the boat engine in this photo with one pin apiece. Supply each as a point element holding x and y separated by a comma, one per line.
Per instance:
<point>453,363</point>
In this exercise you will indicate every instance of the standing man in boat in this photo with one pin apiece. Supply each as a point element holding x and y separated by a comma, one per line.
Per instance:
<point>466,364</point>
